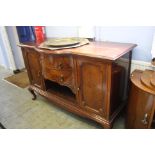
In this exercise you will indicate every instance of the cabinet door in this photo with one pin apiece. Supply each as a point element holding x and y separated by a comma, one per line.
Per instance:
<point>92,85</point>
<point>140,109</point>
<point>32,62</point>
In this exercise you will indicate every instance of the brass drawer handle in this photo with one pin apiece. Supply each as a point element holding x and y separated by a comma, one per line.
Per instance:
<point>83,102</point>
<point>61,78</point>
<point>144,121</point>
<point>60,66</point>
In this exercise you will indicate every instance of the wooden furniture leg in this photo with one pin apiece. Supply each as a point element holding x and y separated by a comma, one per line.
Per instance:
<point>107,126</point>
<point>33,93</point>
<point>1,126</point>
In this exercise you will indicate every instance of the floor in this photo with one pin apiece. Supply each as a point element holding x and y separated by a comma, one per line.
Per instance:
<point>18,111</point>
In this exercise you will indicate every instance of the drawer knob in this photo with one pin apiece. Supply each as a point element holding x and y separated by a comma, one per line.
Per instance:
<point>61,78</point>
<point>60,66</point>
<point>83,102</point>
<point>144,121</point>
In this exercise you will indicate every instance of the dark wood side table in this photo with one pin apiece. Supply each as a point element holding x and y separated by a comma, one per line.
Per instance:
<point>141,105</point>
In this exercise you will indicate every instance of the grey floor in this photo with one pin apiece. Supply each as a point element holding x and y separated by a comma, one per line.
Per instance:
<point>18,111</point>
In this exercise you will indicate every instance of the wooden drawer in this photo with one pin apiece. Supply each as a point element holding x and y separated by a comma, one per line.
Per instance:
<point>58,69</point>
<point>56,75</point>
<point>57,62</point>
<point>64,77</point>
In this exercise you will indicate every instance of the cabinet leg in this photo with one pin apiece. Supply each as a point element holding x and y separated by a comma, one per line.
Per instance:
<point>32,92</point>
<point>106,126</point>
<point>1,125</point>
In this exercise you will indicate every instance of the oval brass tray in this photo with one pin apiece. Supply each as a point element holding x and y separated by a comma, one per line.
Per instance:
<point>62,42</point>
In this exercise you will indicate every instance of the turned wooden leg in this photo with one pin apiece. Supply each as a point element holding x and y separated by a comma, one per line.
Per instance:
<point>32,92</point>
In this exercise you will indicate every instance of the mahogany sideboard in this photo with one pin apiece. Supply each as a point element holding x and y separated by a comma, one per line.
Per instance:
<point>85,80</point>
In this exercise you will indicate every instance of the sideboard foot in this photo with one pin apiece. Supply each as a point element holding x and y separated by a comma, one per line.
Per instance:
<point>33,93</point>
<point>106,126</point>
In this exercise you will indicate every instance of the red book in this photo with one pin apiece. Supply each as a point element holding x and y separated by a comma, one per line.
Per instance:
<point>39,34</point>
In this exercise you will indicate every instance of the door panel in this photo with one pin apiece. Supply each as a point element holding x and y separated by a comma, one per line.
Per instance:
<point>139,108</point>
<point>32,63</point>
<point>92,81</point>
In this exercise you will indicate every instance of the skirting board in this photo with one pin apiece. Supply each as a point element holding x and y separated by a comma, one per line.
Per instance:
<point>135,64</point>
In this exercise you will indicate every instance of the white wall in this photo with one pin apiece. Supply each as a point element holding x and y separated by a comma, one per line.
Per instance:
<point>6,51</point>
<point>61,31</point>
<point>3,53</point>
<point>17,53</point>
<point>2,59</point>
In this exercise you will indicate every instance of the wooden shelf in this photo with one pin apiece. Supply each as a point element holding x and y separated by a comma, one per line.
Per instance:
<point>61,91</point>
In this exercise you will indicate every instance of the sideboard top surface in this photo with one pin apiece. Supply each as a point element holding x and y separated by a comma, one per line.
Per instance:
<point>97,49</point>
